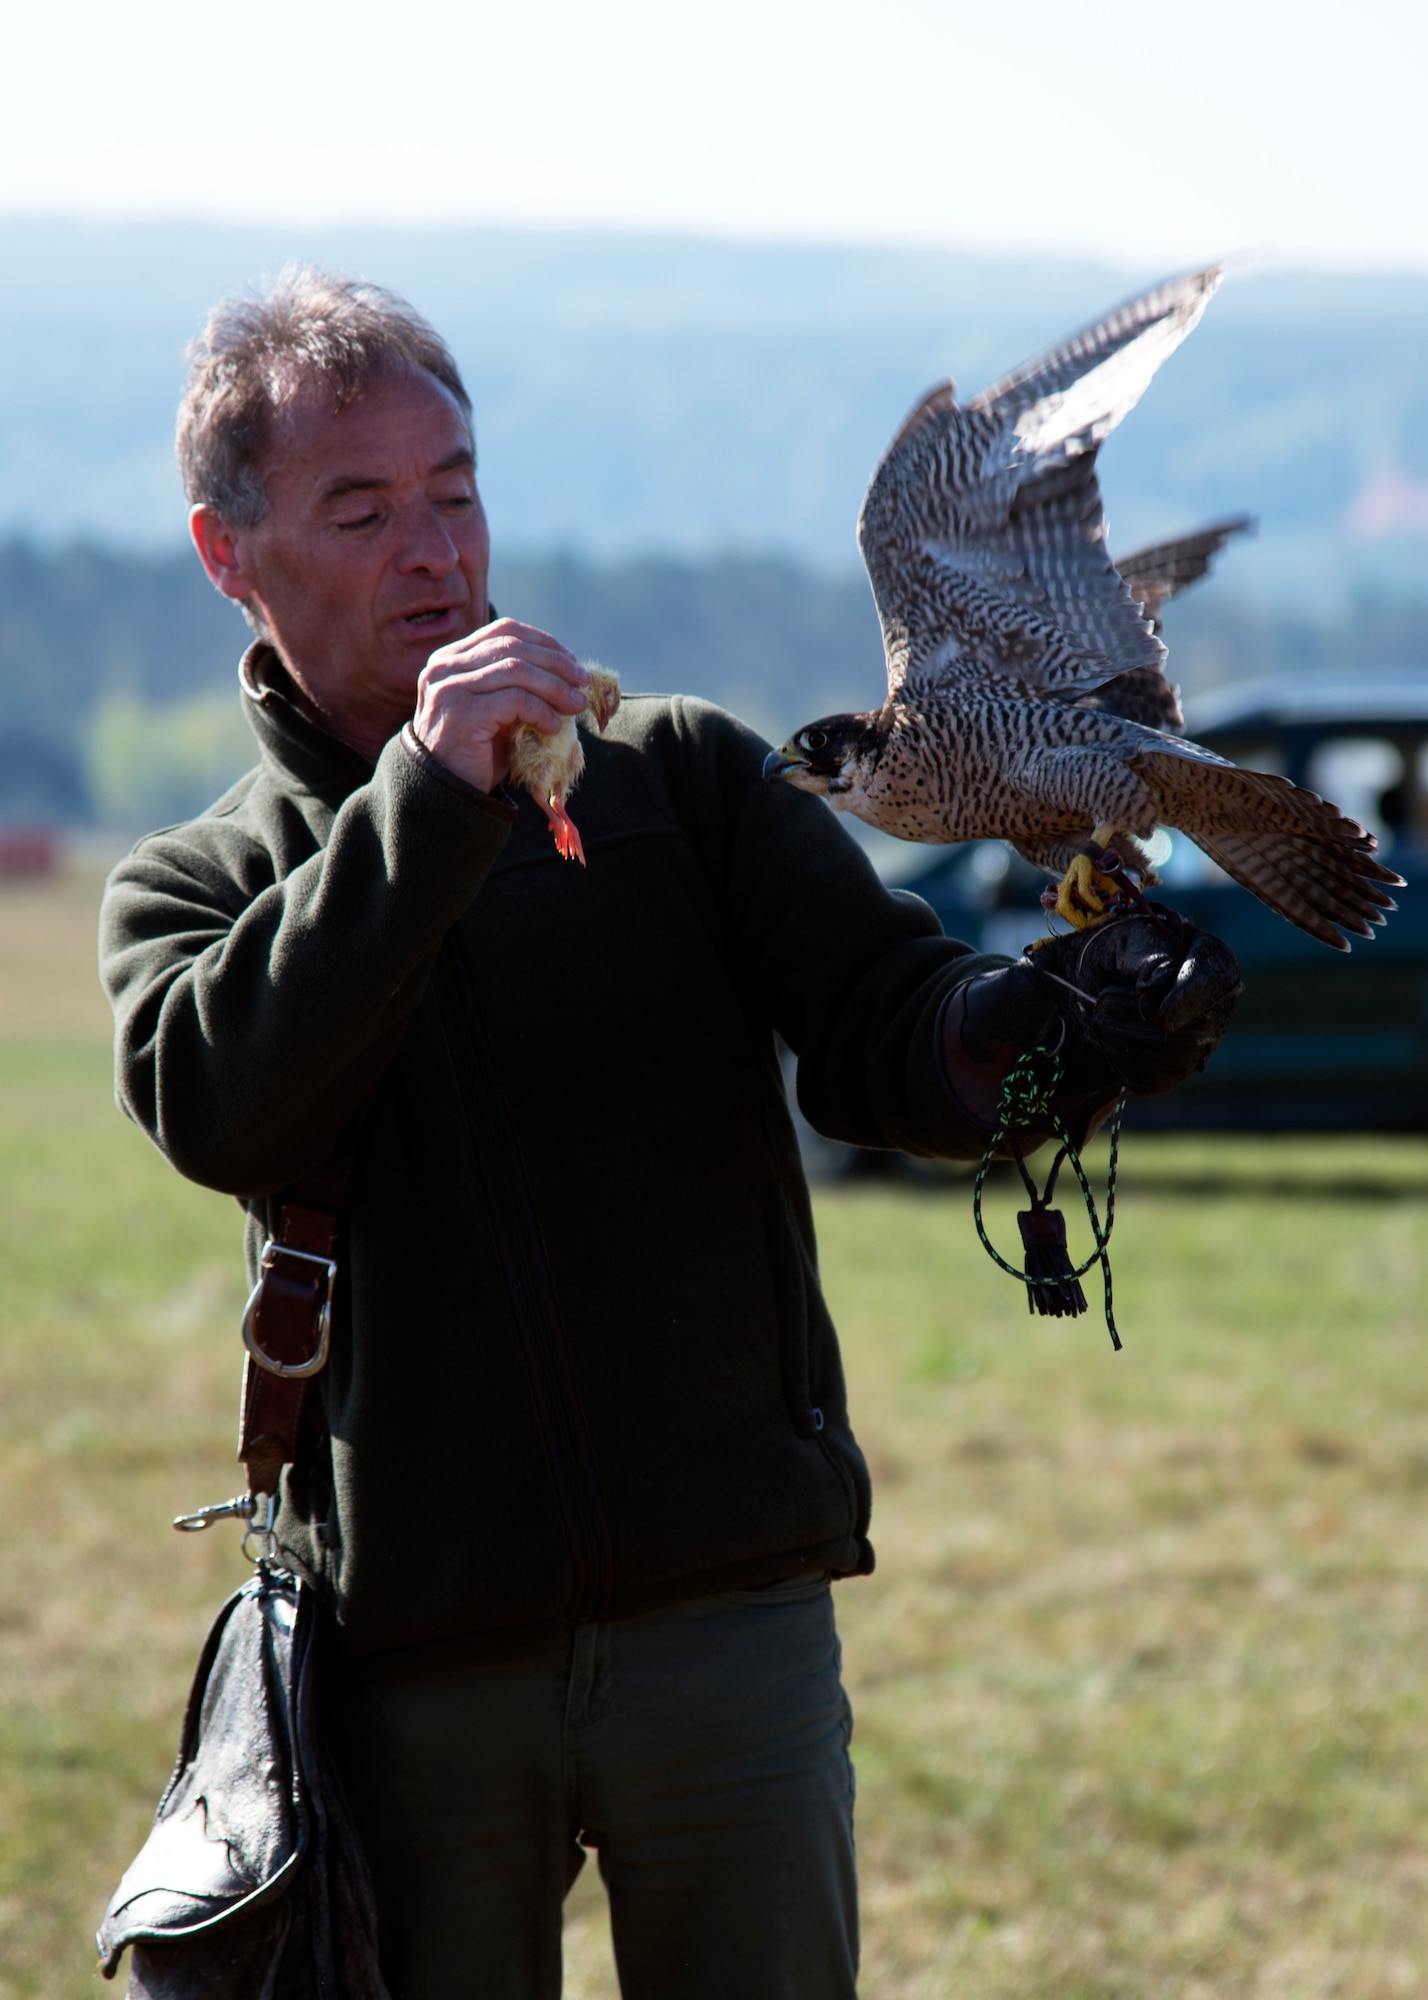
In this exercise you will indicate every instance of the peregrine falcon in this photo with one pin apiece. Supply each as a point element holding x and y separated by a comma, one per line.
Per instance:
<point>1027,698</point>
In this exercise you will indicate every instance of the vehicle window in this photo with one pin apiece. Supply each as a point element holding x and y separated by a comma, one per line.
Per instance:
<point>1367,778</point>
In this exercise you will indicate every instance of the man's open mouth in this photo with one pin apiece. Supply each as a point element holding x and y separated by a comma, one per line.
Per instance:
<point>429,614</point>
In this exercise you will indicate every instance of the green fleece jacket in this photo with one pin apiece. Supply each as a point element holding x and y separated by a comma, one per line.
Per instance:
<point>581,1363</point>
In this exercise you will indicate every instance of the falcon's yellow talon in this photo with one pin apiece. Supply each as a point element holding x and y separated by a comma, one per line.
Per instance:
<point>1083,893</point>
<point>1076,897</point>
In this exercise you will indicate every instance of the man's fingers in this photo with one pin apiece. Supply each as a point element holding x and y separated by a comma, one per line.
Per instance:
<point>465,683</point>
<point>541,680</point>
<point>514,628</point>
<point>482,654</point>
<point>498,711</point>
<point>526,706</point>
<point>507,641</point>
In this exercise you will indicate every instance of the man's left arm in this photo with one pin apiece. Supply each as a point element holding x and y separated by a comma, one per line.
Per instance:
<point>903,1035</point>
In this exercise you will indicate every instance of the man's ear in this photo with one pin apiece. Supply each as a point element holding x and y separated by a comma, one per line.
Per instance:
<point>222,553</point>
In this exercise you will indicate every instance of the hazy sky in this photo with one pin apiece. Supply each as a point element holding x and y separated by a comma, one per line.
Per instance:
<point>1131,129</point>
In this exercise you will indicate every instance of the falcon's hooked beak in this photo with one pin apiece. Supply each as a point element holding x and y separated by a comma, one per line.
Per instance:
<point>780,763</point>
<point>810,760</point>
<point>817,757</point>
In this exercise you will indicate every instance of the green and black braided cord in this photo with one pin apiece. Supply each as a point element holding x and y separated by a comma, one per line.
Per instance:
<point>1053,1285</point>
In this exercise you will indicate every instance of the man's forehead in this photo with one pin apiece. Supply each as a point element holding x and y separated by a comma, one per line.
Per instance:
<point>406,423</point>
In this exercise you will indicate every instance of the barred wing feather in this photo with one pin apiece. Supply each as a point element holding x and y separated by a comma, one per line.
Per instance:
<point>1156,574</point>
<point>983,530</point>
<point>1153,576</point>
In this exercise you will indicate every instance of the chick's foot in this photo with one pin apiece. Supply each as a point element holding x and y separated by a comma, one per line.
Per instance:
<point>567,838</point>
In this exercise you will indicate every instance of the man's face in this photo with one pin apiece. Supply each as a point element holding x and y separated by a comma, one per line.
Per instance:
<point>373,550</point>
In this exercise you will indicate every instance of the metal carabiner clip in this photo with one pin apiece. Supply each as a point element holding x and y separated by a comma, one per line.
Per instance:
<point>259,1510</point>
<point>239,1509</point>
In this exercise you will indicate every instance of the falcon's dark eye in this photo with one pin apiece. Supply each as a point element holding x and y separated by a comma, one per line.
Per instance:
<point>815,739</point>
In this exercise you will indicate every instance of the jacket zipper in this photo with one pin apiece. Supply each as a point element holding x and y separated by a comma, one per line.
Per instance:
<point>525,1266</point>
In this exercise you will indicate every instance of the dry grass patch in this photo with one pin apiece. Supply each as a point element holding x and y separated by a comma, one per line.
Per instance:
<point>1138,1677</point>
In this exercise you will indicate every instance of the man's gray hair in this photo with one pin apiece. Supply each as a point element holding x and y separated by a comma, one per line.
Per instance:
<point>257,352</point>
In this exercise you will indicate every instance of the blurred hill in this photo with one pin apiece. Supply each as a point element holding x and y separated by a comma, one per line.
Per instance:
<point>640,394</point>
<point>118,702</point>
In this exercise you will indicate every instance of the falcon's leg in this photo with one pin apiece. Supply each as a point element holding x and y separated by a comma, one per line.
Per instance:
<point>1084,892</point>
<point>1070,786</point>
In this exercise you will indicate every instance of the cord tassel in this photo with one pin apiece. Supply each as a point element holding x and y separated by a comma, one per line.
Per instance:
<point>1053,1289</point>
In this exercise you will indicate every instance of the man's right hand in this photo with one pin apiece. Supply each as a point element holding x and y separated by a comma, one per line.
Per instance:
<point>475,692</point>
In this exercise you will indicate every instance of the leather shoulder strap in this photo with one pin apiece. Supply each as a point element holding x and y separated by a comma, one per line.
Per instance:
<point>287,1321</point>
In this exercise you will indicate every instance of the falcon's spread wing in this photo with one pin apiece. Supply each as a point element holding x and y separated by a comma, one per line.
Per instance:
<point>1153,576</point>
<point>983,530</point>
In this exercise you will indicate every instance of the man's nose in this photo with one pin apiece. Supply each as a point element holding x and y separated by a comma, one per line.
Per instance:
<point>426,543</point>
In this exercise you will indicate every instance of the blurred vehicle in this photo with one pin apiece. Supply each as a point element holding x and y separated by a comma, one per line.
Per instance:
<point>1322,1040</point>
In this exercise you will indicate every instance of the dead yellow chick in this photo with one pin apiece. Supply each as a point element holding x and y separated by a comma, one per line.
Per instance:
<point>549,766</point>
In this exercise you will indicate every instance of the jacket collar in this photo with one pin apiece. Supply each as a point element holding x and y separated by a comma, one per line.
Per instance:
<point>309,756</point>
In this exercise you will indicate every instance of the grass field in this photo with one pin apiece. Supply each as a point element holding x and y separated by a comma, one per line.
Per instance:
<point>1138,1680</point>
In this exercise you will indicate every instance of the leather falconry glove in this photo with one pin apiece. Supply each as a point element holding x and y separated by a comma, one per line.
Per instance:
<point>1144,999</point>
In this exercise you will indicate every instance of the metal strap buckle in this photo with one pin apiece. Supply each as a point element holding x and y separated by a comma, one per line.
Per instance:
<point>291,1371</point>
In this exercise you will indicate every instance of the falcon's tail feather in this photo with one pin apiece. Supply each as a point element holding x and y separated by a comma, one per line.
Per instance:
<point>1291,877</point>
<point>1295,851</point>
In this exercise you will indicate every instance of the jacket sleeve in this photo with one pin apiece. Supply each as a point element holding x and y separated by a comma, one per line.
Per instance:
<point>254,1007</point>
<point>853,975</point>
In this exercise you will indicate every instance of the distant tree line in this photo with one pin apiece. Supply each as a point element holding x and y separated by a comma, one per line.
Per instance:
<point>117,701</point>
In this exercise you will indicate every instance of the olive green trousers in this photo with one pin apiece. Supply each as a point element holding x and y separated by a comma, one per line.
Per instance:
<point>701,1752</point>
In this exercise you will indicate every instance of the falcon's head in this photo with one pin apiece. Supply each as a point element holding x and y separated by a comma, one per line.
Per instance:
<point>833,757</point>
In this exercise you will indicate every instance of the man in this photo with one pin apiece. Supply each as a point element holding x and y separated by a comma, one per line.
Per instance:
<point>581,1468</point>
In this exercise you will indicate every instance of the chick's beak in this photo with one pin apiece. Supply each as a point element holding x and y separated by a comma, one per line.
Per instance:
<point>779,763</point>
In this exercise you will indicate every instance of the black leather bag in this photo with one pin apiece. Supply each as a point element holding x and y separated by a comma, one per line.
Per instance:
<point>252,1884</point>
